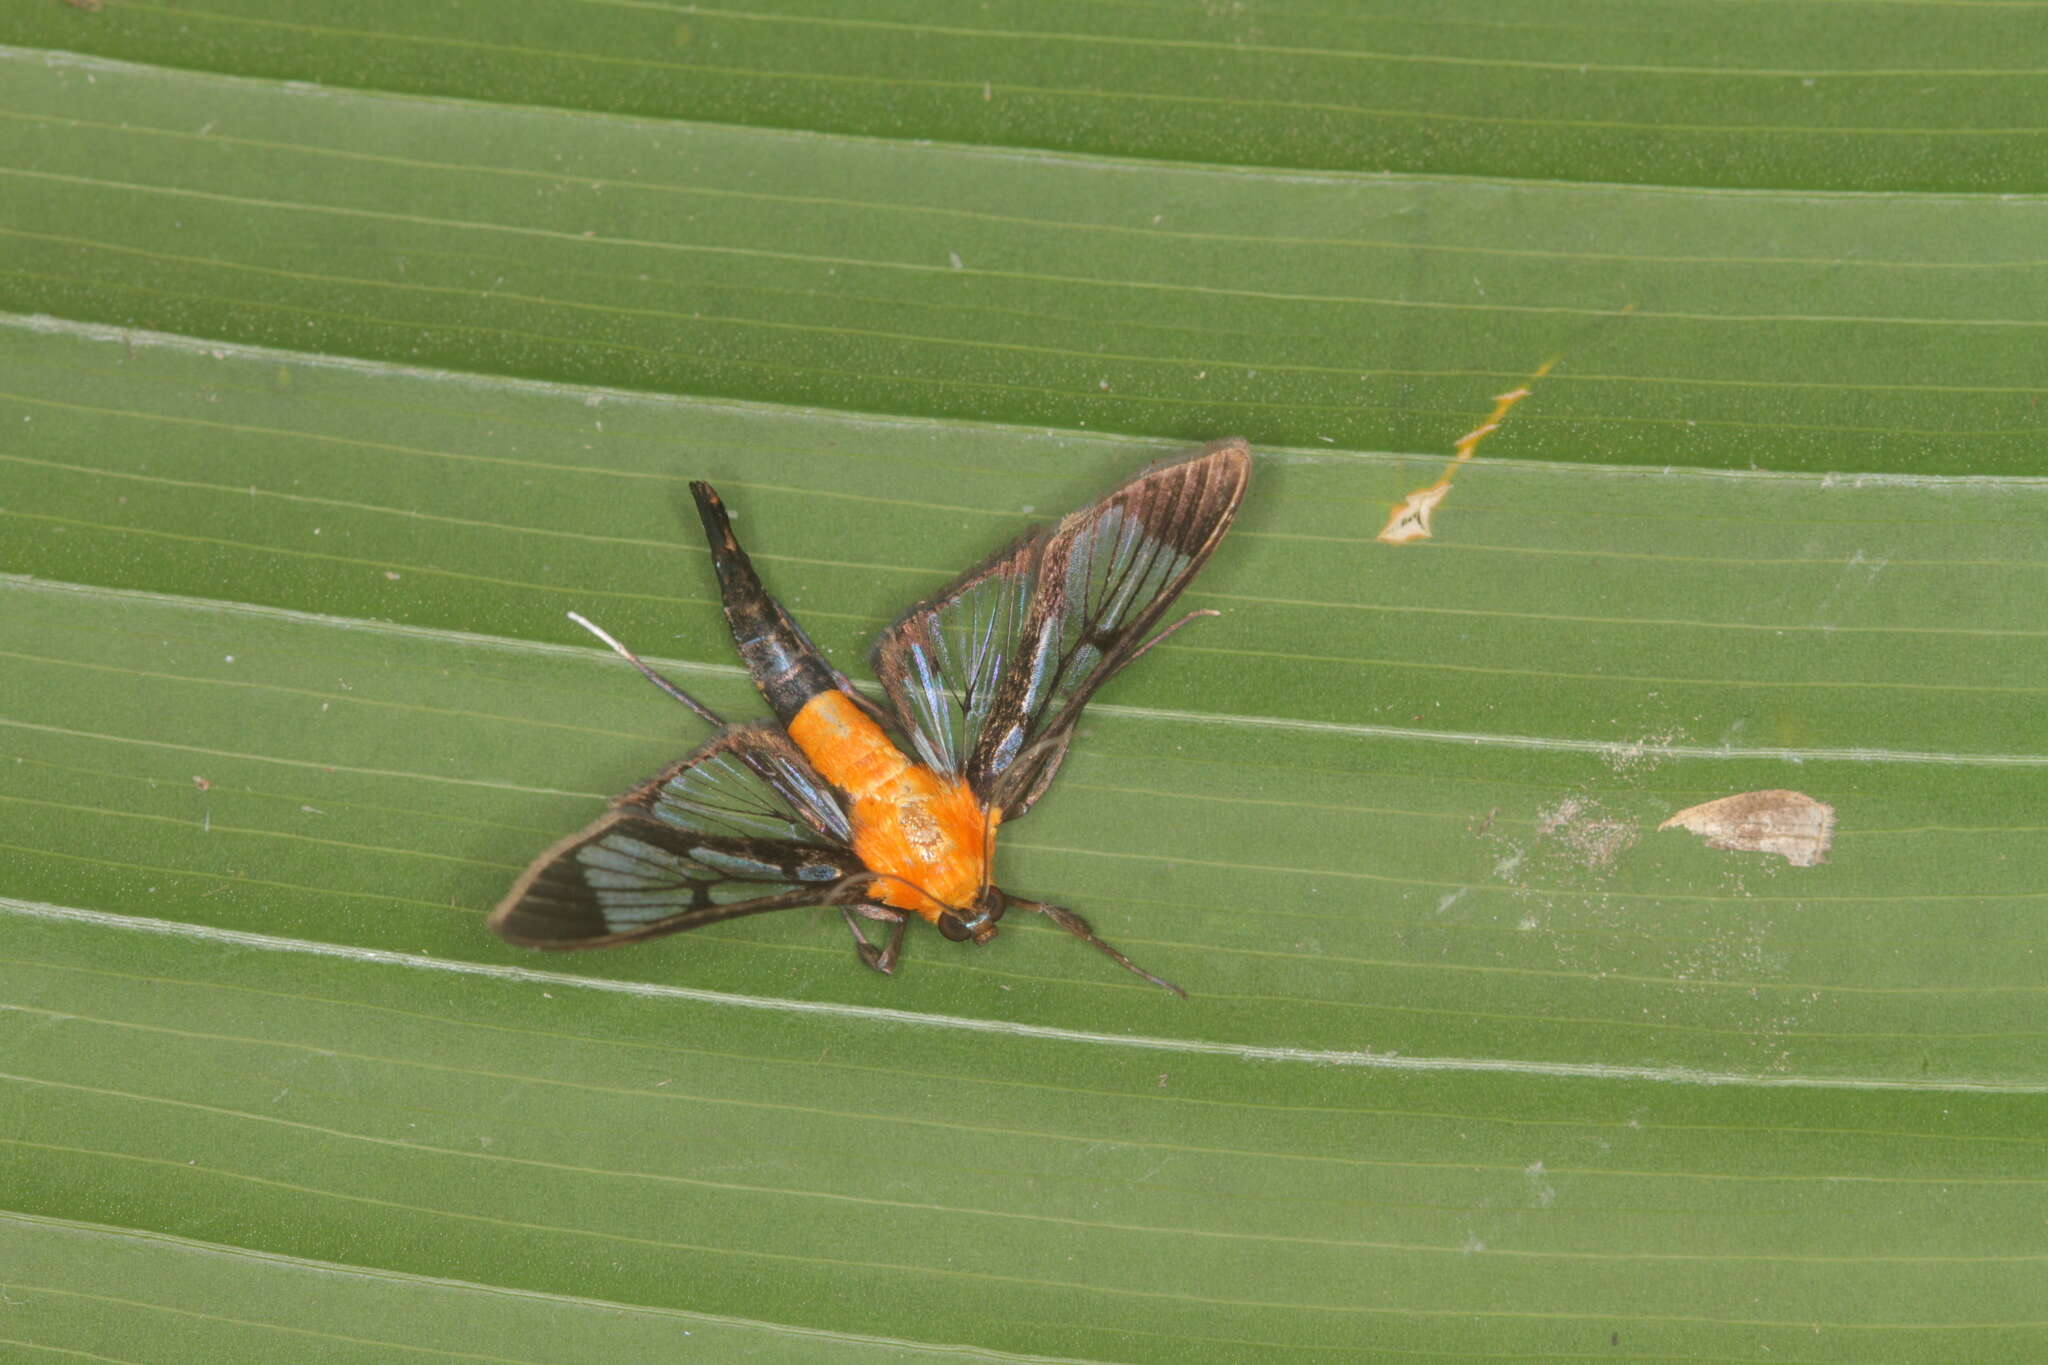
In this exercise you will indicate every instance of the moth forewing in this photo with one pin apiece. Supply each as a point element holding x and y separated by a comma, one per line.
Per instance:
<point>1105,578</point>
<point>941,662</point>
<point>740,827</point>
<point>627,877</point>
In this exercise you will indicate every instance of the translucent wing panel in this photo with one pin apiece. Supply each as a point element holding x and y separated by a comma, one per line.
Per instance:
<point>988,676</point>
<point>748,783</point>
<point>1105,578</point>
<point>630,877</point>
<point>1117,572</point>
<point>943,662</point>
<point>740,827</point>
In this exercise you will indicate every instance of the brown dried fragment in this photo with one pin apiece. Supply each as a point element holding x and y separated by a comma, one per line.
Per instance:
<point>1790,824</point>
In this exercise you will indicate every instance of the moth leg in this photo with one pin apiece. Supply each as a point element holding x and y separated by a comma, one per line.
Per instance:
<point>1078,927</point>
<point>882,959</point>
<point>1204,611</point>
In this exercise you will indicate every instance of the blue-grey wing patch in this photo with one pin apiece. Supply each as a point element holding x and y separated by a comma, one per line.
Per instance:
<point>942,662</point>
<point>1103,580</point>
<point>741,827</point>
<point>988,677</point>
<point>750,782</point>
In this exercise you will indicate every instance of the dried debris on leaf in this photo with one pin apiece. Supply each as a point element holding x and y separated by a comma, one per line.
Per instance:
<point>1410,519</point>
<point>1585,833</point>
<point>1790,824</point>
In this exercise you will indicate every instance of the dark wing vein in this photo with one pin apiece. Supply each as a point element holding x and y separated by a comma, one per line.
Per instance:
<point>988,677</point>
<point>740,827</point>
<point>943,662</point>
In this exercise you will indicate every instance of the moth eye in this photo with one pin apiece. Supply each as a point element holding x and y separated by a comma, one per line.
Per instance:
<point>951,927</point>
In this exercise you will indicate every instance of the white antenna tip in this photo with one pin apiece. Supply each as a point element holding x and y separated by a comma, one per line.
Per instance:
<point>598,631</point>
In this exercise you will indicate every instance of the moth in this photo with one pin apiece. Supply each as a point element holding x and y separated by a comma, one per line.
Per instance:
<point>889,812</point>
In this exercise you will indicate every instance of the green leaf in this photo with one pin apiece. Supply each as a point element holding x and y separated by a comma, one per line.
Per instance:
<point>323,403</point>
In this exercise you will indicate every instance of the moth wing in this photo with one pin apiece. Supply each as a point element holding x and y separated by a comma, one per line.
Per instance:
<point>942,663</point>
<point>750,781</point>
<point>1105,577</point>
<point>987,677</point>
<point>741,827</point>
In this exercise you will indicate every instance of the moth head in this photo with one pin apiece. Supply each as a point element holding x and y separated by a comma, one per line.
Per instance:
<point>977,921</point>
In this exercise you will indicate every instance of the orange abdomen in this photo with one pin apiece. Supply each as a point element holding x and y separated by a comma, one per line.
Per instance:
<point>923,831</point>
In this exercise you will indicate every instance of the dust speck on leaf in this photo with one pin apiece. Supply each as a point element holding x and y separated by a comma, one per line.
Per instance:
<point>1586,833</point>
<point>1641,755</point>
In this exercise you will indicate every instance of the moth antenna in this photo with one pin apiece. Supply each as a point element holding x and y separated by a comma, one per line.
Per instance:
<point>988,848</point>
<point>663,683</point>
<point>1078,927</point>
<point>1009,785</point>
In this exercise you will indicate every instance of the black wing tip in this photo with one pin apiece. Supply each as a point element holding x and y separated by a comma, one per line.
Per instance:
<point>543,910</point>
<point>1215,475</point>
<point>1188,499</point>
<point>1233,452</point>
<point>524,928</point>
